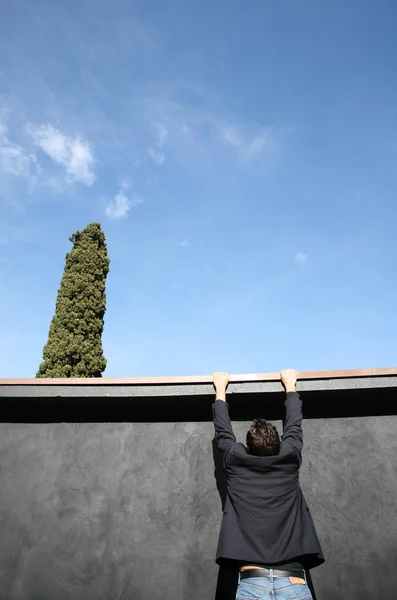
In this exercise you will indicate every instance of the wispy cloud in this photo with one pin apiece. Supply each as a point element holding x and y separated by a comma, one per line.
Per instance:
<point>72,153</point>
<point>124,183</point>
<point>121,204</point>
<point>261,144</point>
<point>300,257</point>
<point>14,159</point>
<point>155,150</point>
<point>194,130</point>
<point>180,242</point>
<point>178,121</point>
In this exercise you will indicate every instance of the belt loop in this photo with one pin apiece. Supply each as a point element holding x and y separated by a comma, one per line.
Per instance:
<point>271,577</point>
<point>239,576</point>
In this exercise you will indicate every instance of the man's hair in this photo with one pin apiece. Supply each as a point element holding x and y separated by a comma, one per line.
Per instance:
<point>263,438</point>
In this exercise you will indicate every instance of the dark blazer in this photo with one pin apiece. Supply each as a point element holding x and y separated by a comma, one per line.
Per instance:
<point>265,519</point>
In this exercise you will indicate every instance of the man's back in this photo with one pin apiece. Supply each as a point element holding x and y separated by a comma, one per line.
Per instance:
<point>266,519</point>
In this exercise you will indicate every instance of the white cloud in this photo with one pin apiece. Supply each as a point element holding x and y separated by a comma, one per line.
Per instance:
<point>157,156</point>
<point>181,242</point>
<point>121,204</point>
<point>14,160</point>
<point>155,150</point>
<point>125,183</point>
<point>248,148</point>
<point>196,134</point>
<point>72,153</point>
<point>300,257</point>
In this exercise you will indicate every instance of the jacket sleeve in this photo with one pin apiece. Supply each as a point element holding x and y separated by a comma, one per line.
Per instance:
<point>224,436</point>
<point>292,430</point>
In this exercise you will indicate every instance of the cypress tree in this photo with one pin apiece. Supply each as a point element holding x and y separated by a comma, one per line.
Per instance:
<point>74,346</point>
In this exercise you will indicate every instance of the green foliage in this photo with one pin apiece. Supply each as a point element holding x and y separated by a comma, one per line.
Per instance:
<point>74,346</point>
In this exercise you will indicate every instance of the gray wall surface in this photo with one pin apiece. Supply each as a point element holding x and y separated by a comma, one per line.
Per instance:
<point>131,511</point>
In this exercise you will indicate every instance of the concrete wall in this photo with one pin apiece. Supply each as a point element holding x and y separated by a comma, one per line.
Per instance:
<point>117,511</point>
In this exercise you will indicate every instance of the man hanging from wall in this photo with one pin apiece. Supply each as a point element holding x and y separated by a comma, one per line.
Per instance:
<point>266,530</point>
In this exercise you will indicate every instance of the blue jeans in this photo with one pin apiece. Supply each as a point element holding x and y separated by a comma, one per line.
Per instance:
<point>264,588</point>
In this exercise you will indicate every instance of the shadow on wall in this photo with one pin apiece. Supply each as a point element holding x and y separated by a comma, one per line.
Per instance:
<point>80,405</point>
<point>227,582</point>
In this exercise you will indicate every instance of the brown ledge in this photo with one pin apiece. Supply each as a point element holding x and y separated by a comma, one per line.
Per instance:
<point>200,379</point>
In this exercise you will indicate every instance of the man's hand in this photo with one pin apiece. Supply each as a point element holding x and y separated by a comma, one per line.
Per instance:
<point>221,381</point>
<point>289,377</point>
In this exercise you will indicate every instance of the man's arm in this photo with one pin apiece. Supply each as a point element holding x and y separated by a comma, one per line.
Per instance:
<point>224,436</point>
<point>292,431</point>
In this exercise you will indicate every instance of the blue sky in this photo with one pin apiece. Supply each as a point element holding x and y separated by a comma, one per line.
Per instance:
<point>241,158</point>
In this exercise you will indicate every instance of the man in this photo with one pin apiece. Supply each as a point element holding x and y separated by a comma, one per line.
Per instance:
<point>266,528</point>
